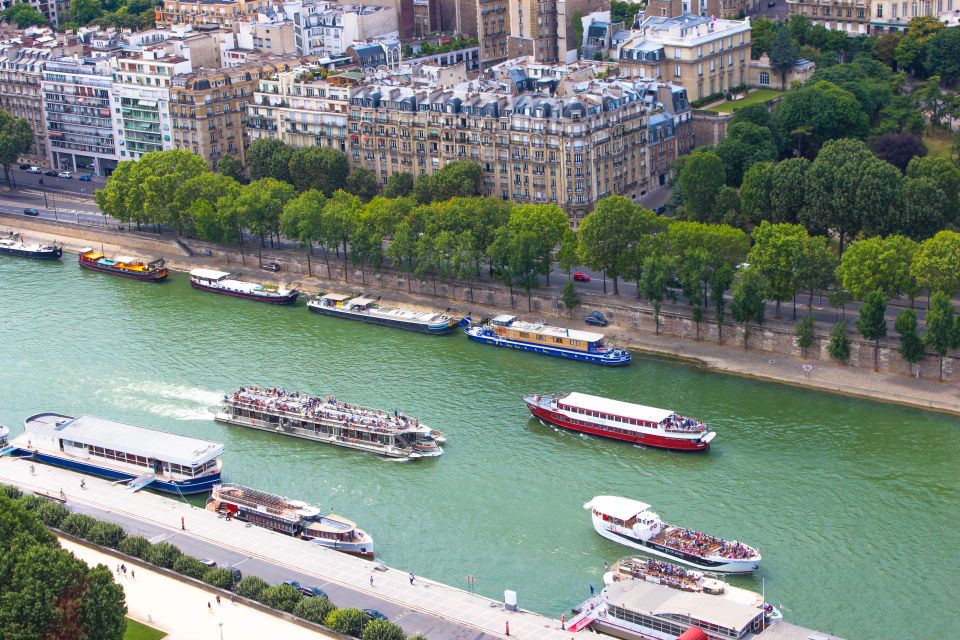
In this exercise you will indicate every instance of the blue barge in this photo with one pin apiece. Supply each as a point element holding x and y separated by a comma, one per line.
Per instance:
<point>507,331</point>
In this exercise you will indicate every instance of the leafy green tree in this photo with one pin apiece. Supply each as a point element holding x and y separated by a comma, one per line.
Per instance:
<point>755,191</point>
<point>783,53</point>
<point>872,323</point>
<point>839,346</point>
<point>219,577</point>
<point>149,189</point>
<point>567,255</point>
<point>924,210</point>
<point>106,534</point>
<point>402,249</point>
<point>282,597</point>
<point>112,199</point>
<point>136,546</point>
<point>366,245</point>
<point>622,11</point>
<point>260,205</point>
<point>832,189</point>
<point>163,554</point>
<point>231,167</point>
<point>362,183</point>
<point>936,263</point>
<point>697,317</point>
<point>78,524</point>
<point>804,331</point>
<point>884,48</point>
<point>399,185</point>
<point>719,280</point>
<point>251,587</point>
<point>817,113</point>
<point>208,222</point>
<point>302,219</point>
<point>382,630</point>
<point>879,196</point>
<point>749,301</point>
<point>547,223</point>
<point>763,34</point>
<point>942,334</point>
<point>190,566</point>
<point>16,138</point>
<point>946,175</point>
<point>314,609</point>
<point>454,179</point>
<point>816,268</point>
<point>23,15</point>
<point>84,12</point>
<point>753,113</point>
<point>880,264</point>
<point>900,115</point>
<point>206,186</point>
<point>933,101</point>
<point>911,346</point>
<point>608,237</point>
<point>51,513</point>
<point>348,621</point>
<point>745,144</point>
<point>776,253</point>
<point>570,298</point>
<point>102,608</point>
<point>701,251</point>
<point>323,169</point>
<point>788,190</point>
<point>701,178</point>
<point>340,214</point>
<point>899,148</point>
<point>654,283</point>
<point>270,158</point>
<point>910,51</point>
<point>943,55</point>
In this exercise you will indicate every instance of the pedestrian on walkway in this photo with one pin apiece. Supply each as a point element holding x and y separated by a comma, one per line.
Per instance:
<point>123,568</point>
<point>118,569</point>
<point>33,471</point>
<point>83,483</point>
<point>371,579</point>
<point>411,578</point>
<point>218,598</point>
<point>209,608</point>
<point>563,622</point>
<point>508,627</point>
<point>133,576</point>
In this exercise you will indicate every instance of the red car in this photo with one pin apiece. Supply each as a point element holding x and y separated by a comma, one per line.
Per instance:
<point>580,276</point>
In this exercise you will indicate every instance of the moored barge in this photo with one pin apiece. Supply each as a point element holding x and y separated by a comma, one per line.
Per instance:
<point>12,247</point>
<point>290,517</point>
<point>153,271</point>
<point>221,282</point>
<point>144,457</point>
<point>344,305</point>
<point>587,346</point>
<point>330,421</point>
<point>618,420</point>
<point>631,523</point>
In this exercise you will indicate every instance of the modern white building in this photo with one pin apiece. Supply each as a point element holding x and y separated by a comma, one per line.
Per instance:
<point>323,29</point>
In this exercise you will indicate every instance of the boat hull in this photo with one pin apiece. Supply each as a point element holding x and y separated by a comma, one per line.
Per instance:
<point>151,276</point>
<point>720,566</point>
<point>288,299</point>
<point>650,440</point>
<point>361,549</point>
<point>419,327</point>
<point>186,487</point>
<point>595,358</point>
<point>52,254</point>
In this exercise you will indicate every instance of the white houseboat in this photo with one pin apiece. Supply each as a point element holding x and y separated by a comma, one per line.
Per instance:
<point>221,282</point>
<point>343,305</point>
<point>164,461</point>
<point>631,523</point>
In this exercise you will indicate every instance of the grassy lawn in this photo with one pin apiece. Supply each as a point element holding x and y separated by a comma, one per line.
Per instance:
<point>938,142</point>
<point>758,96</point>
<point>137,631</point>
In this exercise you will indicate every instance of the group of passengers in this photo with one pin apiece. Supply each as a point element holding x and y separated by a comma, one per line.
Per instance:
<point>679,423</point>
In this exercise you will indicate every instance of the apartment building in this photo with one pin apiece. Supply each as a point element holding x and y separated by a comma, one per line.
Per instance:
<point>493,30</point>
<point>53,10</point>
<point>327,30</point>
<point>851,16</point>
<point>78,111</point>
<point>894,15</point>
<point>208,107</point>
<point>221,12</point>
<point>141,101</point>
<point>703,55</point>
<point>729,9</point>
<point>533,30</point>
<point>21,71</point>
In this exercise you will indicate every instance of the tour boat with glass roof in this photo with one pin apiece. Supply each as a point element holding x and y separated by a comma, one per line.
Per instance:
<point>12,246</point>
<point>328,420</point>
<point>343,305</point>
<point>125,266</point>
<point>631,523</point>
<point>507,331</point>
<point>625,421</point>
<point>290,517</point>
<point>144,457</point>
<point>221,282</point>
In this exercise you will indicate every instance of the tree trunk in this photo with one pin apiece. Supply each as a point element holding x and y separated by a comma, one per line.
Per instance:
<point>529,302</point>
<point>346,273</point>
<point>326,259</point>
<point>794,306</point>
<point>409,283</point>
<point>777,313</point>
<point>604,273</point>
<point>434,286</point>
<point>876,355</point>
<point>616,289</point>
<point>510,286</point>
<point>656,318</point>
<point>309,266</point>
<point>941,368</point>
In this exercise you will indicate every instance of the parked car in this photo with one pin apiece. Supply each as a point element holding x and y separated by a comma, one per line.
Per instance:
<point>34,170</point>
<point>51,173</point>
<point>596,319</point>
<point>662,209</point>
<point>210,563</point>
<point>30,211</point>
<point>86,177</point>
<point>311,591</point>
<point>771,4</point>
<point>376,615</point>
<point>24,166</point>
<point>580,276</point>
<point>237,576</point>
<point>271,266</point>
<point>65,174</point>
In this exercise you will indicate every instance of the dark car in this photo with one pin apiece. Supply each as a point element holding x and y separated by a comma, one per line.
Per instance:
<point>376,615</point>
<point>86,177</point>
<point>311,591</point>
<point>771,4</point>
<point>51,173</point>
<point>662,209</point>
<point>271,266</point>
<point>237,576</point>
<point>596,319</point>
<point>30,211</point>
<point>24,166</point>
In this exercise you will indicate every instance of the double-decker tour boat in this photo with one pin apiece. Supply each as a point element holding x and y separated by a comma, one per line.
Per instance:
<point>507,331</point>
<point>11,246</point>
<point>153,271</point>
<point>344,305</point>
<point>631,523</point>
<point>164,461</point>
<point>329,420</point>
<point>621,421</point>
<point>221,282</point>
<point>290,517</point>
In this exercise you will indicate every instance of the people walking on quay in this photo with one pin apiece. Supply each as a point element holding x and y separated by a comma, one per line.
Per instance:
<point>133,575</point>
<point>33,471</point>
<point>83,483</point>
<point>411,578</point>
<point>209,608</point>
<point>371,579</point>
<point>123,568</point>
<point>508,627</point>
<point>218,598</point>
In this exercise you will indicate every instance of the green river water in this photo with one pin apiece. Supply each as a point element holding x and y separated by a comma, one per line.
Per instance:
<point>853,504</point>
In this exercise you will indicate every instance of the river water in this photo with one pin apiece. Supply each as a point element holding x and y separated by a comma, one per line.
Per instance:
<point>853,504</point>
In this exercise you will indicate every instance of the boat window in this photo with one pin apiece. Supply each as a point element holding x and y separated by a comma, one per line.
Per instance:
<point>558,340</point>
<point>574,343</point>
<point>540,337</point>
<point>524,334</point>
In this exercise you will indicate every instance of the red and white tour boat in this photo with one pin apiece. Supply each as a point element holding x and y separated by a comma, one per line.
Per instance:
<point>621,421</point>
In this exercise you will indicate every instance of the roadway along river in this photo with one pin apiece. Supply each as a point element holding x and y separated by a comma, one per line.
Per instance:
<point>852,504</point>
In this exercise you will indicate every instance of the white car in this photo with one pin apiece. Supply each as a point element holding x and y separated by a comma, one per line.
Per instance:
<point>34,170</point>
<point>65,174</point>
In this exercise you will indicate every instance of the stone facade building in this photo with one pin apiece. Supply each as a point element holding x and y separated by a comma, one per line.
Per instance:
<point>21,70</point>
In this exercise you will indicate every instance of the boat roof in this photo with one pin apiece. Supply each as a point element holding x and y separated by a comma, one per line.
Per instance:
<point>332,523</point>
<point>503,318</point>
<point>336,297</point>
<point>653,599</point>
<point>210,274</point>
<point>616,407</point>
<point>617,507</point>
<point>128,438</point>
<point>550,330</point>
<point>362,302</point>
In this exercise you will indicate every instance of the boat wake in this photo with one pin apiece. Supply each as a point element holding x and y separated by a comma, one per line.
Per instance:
<point>168,400</point>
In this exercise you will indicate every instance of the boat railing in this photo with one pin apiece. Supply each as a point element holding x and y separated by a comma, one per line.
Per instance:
<point>252,497</point>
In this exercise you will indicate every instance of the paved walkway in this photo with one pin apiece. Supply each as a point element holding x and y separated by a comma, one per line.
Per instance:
<point>427,596</point>
<point>181,611</point>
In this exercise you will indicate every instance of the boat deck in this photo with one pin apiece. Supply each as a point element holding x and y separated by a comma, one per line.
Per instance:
<point>697,543</point>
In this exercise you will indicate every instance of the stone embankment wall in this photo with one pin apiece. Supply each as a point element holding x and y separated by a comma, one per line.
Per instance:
<point>625,313</point>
